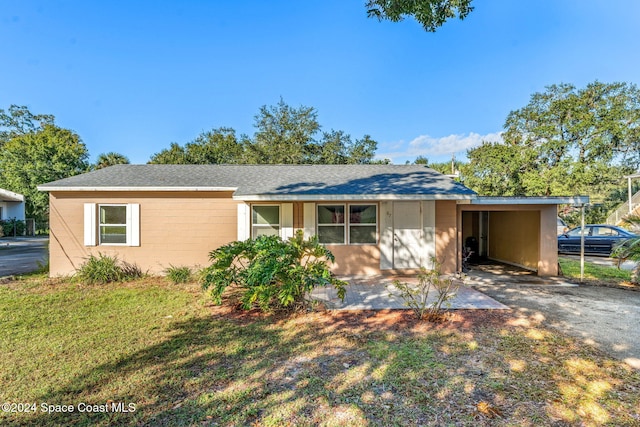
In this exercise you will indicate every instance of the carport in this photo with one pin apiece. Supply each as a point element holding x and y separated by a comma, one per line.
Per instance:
<point>519,231</point>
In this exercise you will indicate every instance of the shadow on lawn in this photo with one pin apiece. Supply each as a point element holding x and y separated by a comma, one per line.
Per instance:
<point>343,369</point>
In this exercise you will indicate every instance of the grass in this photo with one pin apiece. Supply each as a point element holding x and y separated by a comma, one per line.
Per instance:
<point>182,361</point>
<point>571,268</point>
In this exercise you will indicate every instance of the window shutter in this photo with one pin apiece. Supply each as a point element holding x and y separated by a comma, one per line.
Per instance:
<point>90,225</point>
<point>244,216</point>
<point>133,224</point>
<point>386,235</point>
<point>286,215</point>
<point>309,220</point>
<point>429,231</point>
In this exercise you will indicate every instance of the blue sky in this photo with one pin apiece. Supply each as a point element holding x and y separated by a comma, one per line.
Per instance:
<point>134,76</point>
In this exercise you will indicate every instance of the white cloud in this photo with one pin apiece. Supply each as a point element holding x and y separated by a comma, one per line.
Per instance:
<point>436,147</point>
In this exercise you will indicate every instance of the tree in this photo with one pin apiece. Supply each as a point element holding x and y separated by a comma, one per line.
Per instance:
<point>362,151</point>
<point>109,159</point>
<point>337,147</point>
<point>430,13</point>
<point>218,146</point>
<point>284,135</point>
<point>421,160</point>
<point>566,141</point>
<point>174,155</point>
<point>35,158</point>
<point>18,120</point>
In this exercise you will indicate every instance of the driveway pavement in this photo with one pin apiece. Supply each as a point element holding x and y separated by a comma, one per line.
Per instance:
<point>607,318</point>
<point>21,255</point>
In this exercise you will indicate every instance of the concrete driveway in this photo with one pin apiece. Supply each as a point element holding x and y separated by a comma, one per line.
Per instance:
<point>607,318</point>
<point>21,255</point>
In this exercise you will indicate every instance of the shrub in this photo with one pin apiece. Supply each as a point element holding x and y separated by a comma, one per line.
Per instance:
<point>12,227</point>
<point>178,274</point>
<point>103,269</point>
<point>416,297</point>
<point>630,249</point>
<point>271,273</point>
<point>131,271</point>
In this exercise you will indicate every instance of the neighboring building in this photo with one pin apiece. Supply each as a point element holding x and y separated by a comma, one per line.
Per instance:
<point>11,205</point>
<point>374,218</point>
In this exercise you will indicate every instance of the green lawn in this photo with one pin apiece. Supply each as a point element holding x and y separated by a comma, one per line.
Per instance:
<point>182,361</point>
<point>571,268</point>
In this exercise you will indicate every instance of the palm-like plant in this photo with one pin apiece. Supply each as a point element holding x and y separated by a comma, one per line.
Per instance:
<point>630,249</point>
<point>110,159</point>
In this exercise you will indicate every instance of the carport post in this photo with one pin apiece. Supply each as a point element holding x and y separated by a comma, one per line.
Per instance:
<point>582,244</point>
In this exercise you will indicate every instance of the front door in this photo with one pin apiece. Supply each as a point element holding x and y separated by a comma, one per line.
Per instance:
<point>407,236</point>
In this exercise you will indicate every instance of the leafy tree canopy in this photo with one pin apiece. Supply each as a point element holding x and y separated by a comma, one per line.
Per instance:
<point>110,159</point>
<point>284,135</point>
<point>566,141</point>
<point>430,13</point>
<point>18,120</point>
<point>37,157</point>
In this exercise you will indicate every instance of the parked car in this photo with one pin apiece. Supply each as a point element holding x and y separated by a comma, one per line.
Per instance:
<point>599,239</point>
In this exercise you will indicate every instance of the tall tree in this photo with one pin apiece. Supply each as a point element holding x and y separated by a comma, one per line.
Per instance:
<point>430,13</point>
<point>566,141</point>
<point>284,135</point>
<point>362,151</point>
<point>174,155</point>
<point>18,120</point>
<point>35,158</point>
<point>217,146</point>
<point>109,159</point>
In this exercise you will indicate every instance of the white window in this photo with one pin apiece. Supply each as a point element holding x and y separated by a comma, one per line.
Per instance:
<point>265,220</point>
<point>363,224</point>
<point>112,224</point>
<point>354,224</point>
<point>331,224</point>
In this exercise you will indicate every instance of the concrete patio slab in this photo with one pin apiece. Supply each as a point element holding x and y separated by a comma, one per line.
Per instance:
<point>379,293</point>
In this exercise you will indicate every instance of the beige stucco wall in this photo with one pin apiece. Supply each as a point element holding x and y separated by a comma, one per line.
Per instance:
<point>177,228</point>
<point>528,234</point>
<point>446,228</point>
<point>355,259</point>
<point>514,237</point>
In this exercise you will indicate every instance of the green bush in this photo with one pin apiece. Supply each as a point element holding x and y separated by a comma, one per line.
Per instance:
<point>12,227</point>
<point>272,274</point>
<point>178,274</point>
<point>416,297</point>
<point>630,249</point>
<point>103,269</point>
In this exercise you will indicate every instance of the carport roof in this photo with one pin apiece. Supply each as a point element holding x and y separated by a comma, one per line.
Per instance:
<point>525,200</point>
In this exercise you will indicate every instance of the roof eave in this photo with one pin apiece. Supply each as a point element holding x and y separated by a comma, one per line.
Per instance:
<point>348,197</point>
<point>120,189</point>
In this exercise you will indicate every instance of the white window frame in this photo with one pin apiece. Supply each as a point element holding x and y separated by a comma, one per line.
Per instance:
<point>127,225</point>
<point>252,225</point>
<point>344,223</point>
<point>92,224</point>
<point>349,224</point>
